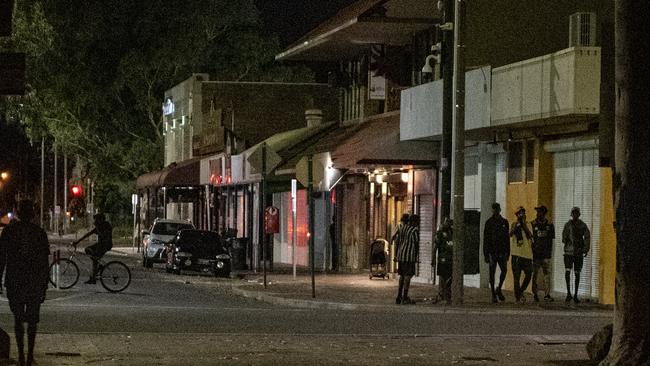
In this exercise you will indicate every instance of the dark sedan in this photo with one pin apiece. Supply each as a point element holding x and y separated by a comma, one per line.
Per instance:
<point>198,250</point>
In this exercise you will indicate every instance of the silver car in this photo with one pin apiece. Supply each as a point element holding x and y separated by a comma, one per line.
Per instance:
<point>155,240</point>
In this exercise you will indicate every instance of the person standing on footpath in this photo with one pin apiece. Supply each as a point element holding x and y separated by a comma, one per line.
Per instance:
<point>576,239</point>
<point>396,240</point>
<point>407,256</point>
<point>543,234</point>
<point>445,247</point>
<point>24,249</point>
<point>522,253</point>
<point>496,249</point>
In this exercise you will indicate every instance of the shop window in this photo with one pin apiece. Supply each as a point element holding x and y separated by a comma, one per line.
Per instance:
<point>521,161</point>
<point>530,160</point>
<point>515,162</point>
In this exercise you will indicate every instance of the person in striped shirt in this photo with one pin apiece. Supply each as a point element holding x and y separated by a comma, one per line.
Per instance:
<point>408,249</point>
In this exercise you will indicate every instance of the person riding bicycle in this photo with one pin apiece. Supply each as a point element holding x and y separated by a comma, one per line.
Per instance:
<point>104,232</point>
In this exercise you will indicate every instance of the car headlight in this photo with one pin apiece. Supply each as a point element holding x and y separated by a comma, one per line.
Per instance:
<point>220,265</point>
<point>223,256</point>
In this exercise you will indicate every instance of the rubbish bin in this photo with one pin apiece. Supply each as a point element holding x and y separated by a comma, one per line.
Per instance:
<point>238,253</point>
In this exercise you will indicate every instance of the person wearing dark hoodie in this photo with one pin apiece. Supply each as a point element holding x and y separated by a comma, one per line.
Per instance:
<point>24,249</point>
<point>444,243</point>
<point>521,250</point>
<point>576,239</point>
<point>496,249</point>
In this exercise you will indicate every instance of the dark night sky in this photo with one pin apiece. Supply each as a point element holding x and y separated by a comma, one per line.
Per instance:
<point>290,19</point>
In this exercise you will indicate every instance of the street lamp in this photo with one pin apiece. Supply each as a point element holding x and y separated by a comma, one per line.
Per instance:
<point>4,175</point>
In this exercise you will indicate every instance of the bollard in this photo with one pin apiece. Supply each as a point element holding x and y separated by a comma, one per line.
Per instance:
<point>57,255</point>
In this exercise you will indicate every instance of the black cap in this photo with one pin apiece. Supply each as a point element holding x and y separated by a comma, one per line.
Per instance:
<point>496,206</point>
<point>541,208</point>
<point>521,208</point>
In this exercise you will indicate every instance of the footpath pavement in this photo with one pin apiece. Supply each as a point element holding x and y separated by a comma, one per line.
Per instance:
<point>358,292</point>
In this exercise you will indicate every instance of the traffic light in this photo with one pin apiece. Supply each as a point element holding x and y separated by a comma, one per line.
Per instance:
<point>76,191</point>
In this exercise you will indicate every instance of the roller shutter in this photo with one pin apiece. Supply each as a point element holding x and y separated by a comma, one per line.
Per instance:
<point>577,183</point>
<point>427,220</point>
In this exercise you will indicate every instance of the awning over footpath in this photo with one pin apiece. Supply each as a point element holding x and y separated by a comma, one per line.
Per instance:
<point>323,142</point>
<point>377,142</point>
<point>362,24</point>
<point>183,174</point>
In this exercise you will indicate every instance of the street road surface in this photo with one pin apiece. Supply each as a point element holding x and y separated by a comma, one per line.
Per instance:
<point>165,319</point>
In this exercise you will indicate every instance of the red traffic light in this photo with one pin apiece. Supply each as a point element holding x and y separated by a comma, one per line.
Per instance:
<point>76,191</point>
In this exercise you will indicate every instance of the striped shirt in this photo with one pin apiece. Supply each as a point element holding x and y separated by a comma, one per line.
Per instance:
<point>409,246</point>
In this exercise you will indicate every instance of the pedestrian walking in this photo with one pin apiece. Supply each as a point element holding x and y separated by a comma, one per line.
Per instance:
<point>496,249</point>
<point>543,234</point>
<point>445,252</point>
<point>522,253</point>
<point>408,250</point>
<point>334,244</point>
<point>576,239</point>
<point>24,249</point>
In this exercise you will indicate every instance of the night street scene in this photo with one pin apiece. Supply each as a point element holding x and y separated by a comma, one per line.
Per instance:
<point>324,182</point>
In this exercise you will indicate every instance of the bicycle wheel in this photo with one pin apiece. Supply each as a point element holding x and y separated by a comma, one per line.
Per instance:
<point>115,276</point>
<point>67,272</point>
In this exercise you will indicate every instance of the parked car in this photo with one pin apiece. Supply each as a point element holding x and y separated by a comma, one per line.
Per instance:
<point>155,240</point>
<point>198,250</point>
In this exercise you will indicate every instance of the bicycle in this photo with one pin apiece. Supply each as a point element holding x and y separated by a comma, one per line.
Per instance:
<point>114,275</point>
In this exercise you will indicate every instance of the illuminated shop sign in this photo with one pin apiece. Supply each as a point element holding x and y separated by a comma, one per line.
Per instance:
<point>168,107</point>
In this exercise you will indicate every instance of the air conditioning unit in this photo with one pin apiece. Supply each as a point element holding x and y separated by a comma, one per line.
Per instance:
<point>582,30</point>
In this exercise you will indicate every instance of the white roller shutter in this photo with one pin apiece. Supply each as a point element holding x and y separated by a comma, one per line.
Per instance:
<point>577,183</point>
<point>425,210</point>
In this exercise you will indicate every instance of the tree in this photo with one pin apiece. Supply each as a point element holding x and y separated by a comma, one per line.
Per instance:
<point>631,335</point>
<point>97,74</point>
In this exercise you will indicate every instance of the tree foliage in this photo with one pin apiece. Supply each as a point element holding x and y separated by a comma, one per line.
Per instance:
<point>98,69</point>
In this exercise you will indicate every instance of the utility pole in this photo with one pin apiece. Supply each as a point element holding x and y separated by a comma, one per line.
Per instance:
<point>458,164</point>
<point>42,178</point>
<point>310,200</point>
<point>263,211</point>
<point>446,56</point>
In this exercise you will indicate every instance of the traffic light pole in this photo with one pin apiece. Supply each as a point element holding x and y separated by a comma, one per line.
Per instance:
<point>65,191</point>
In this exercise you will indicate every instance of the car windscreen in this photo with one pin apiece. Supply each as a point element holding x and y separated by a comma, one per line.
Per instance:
<point>169,228</point>
<point>206,240</point>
